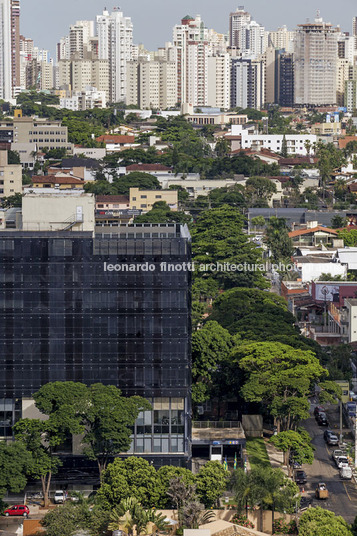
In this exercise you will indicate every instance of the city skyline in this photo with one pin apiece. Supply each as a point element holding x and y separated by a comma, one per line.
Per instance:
<point>47,29</point>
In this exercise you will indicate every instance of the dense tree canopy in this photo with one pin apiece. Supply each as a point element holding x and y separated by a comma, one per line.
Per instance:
<point>320,522</point>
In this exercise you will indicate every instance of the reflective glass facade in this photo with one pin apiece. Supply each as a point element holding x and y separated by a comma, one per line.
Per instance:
<point>68,313</point>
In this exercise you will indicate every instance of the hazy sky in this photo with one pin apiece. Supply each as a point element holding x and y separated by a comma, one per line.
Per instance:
<point>47,20</point>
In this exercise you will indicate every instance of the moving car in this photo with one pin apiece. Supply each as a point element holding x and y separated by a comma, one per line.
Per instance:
<point>332,439</point>
<point>321,491</point>
<point>346,472</point>
<point>300,477</point>
<point>17,510</point>
<point>59,497</point>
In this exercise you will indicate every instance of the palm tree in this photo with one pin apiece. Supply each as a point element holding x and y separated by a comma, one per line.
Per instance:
<point>129,514</point>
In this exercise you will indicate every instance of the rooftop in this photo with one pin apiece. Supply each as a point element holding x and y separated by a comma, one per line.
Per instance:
<point>300,232</point>
<point>53,179</point>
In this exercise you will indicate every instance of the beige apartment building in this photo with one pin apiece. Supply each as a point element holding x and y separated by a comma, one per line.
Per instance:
<point>145,199</point>
<point>10,177</point>
<point>151,84</point>
<point>42,132</point>
<point>78,74</point>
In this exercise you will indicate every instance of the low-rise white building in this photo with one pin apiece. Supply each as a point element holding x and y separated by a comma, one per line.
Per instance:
<point>311,268</point>
<point>295,143</point>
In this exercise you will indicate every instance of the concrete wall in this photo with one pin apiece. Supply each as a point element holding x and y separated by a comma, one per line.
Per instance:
<point>49,212</point>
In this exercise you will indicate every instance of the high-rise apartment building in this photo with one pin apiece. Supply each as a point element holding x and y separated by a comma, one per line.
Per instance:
<point>96,304</point>
<point>279,77</point>
<point>219,81</point>
<point>15,43</point>
<point>6,72</point>
<point>79,73</point>
<point>80,35</point>
<point>152,83</point>
<point>281,39</point>
<point>237,25</point>
<point>247,83</point>
<point>315,57</point>
<point>191,41</point>
<point>115,40</point>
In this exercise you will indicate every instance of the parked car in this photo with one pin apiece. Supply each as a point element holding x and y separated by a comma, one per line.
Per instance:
<point>59,497</point>
<point>322,419</point>
<point>337,453</point>
<point>346,472</point>
<point>321,491</point>
<point>300,477</point>
<point>319,409</point>
<point>17,510</point>
<point>342,461</point>
<point>327,433</point>
<point>332,439</point>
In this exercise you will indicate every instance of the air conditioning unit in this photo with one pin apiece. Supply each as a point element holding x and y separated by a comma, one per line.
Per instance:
<point>200,410</point>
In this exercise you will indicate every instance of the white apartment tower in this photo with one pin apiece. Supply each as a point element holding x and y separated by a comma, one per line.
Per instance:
<point>247,83</point>
<point>237,24</point>
<point>191,41</point>
<point>5,50</point>
<point>219,81</point>
<point>115,40</point>
<point>315,54</point>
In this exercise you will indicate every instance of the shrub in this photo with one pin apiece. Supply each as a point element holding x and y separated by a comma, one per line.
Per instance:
<point>243,521</point>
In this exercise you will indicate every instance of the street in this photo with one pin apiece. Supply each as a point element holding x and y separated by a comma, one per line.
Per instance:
<point>342,493</point>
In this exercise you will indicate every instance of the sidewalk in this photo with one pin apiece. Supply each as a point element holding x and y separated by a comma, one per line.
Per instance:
<point>276,457</point>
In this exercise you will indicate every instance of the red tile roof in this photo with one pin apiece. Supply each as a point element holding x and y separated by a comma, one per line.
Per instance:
<point>148,167</point>
<point>116,138</point>
<point>300,232</point>
<point>112,199</point>
<point>52,179</point>
<point>297,160</point>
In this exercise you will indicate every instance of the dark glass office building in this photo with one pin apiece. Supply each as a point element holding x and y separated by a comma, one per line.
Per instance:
<point>111,306</point>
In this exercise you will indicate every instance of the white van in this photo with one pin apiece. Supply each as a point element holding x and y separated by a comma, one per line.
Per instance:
<point>346,472</point>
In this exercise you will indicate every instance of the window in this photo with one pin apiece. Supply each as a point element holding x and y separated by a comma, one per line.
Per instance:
<point>143,197</point>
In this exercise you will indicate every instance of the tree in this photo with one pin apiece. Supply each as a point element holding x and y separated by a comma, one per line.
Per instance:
<point>211,482</point>
<point>40,438</point>
<point>320,522</point>
<point>211,348</point>
<point>165,474</point>
<point>258,221</point>
<point>161,213</point>
<point>241,485</point>
<point>189,509</point>
<point>279,376</point>
<point>132,477</point>
<point>259,189</point>
<point>254,314</point>
<point>284,147</point>
<point>218,237</point>
<point>297,441</point>
<point>349,237</point>
<point>278,240</point>
<point>99,412</point>
<point>71,517</point>
<point>15,464</point>
<point>108,421</point>
<point>222,147</point>
<point>12,201</point>
<point>13,157</point>
<point>338,221</point>
<point>273,490</point>
<point>130,515</point>
<point>329,159</point>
